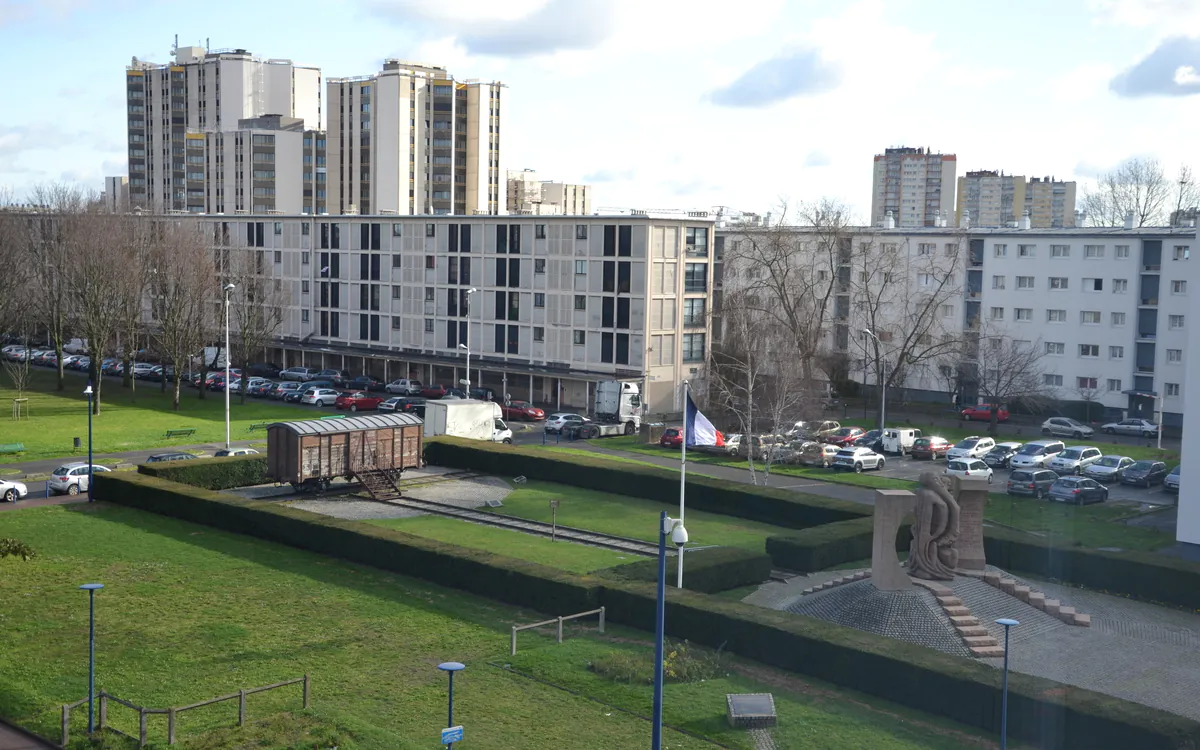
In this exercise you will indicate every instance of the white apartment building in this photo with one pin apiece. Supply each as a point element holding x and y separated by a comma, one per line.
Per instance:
<point>412,140</point>
<point>116,194</point>
<point>203,92</point>
<point>995,199</point>
<point>1187,528</point>
<point>914,185</point>
<point>264,166</point>
<point>547,306</point>
<point>528,195</point>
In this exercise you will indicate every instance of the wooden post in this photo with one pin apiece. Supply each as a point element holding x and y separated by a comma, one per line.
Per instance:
<point>514,641</point>
<point>66,725</point>
<point>560,629</point>
<point>170,726</point>
<point>602,620</point>
<point>142,728</point>
<point>306,683</point>
<point>241,706</point>
<point>103,709</point>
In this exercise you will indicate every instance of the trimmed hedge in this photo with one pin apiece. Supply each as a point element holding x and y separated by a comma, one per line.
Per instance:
<point>706,570</point>
<point>824,547</point>
<point>212,473</point>
<point>793,510</point>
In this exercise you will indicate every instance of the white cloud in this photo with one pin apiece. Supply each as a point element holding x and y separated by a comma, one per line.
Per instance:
<point>1163,15</point>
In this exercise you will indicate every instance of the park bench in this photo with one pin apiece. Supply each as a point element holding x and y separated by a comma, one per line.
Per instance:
<point>12,447</point>
<point>181,433</point>
<point>260,426</point>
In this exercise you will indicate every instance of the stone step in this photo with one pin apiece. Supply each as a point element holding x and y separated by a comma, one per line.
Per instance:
<point>1021,592</point>
<point>980,640</point>
<point>986,652</point>
<point>1007,585</point>
<point>991,579</point>
<point>970,630</point>
<point>1084,621</point>
<point>1066,614</point>
<point>967,620</point>
<point>957,611</point>
<point>1052,606</point>
<point>949,601</point>
<point>1037,599</point>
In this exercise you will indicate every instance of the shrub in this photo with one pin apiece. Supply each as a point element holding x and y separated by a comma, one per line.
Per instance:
<point>16,548</point>
<point>705,570</point>
<point>823,547</point>
<point>682,662</point>
<point>212,473</point>
<point>622,665</point>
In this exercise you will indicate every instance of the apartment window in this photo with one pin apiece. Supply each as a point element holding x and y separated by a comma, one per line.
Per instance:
<point>279,227</point>
<point>1121,251</point>
<point>1175,321</point>
<point>1025,282</point>
<point>431,261</point>
<point>1093,251</point>
<point>581,233</point>
<point>580,267</point>
<point>693,311</point>
<point>1056,316</point>
<point>431,230</point>
<point>1120,286</point>
<point>1172,389</point>
<point>925,248</point>
<point>396,230</point>
<point>1178,287</point>
<point>396,322</point>
<point>1093,285</point>
<point>1052,380</point>
<point>998,282</point>
<point>1056,348</point>
<point>997,313</point>
<point>1114,385</point>
<point>1089,350</point>
<point>693,347</point>
<point>429,325</point>
<point>304,257</point>
<point>539,265</point>
<point>947,311</point>
<point>1023,313</point>
<point>925,279</point>
<point>395,292</point>
<point>304,316</point>
<point>1086,384</point>
<point>1116,352</point>
<point>1058,282</point>
<point>539,231</point>
<point>397,261</point>
<point>539,334</point>
<point>579,338</point>
<point>1174,356</point>
<point>697,242</point>
<point>539,299</point>
<point>1000,251</point>
<point>695,278</point>
<point>1026,251</point>
<point>580,302</point>
<point>1181,253</point>
<point>1118,319</point>
<point>951,249</point>
<point>1060,251</point>
<point>305,229</point>
<point>1090,317</point>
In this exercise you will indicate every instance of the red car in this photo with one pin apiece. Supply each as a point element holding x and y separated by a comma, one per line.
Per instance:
<point>433,391</point>
<point>844,436</point>
<point>930,447</point>
<point>523,410</point>
<point>672,437</point>
<point>358,401</point>
<point>983,413</point>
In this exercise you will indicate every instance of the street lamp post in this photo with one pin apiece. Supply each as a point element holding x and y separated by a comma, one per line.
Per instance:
<point>673,528</point>
<point>88,392</point>
<point>91,588</point>
<point>228,291</point>
<point>467,339</point>
<point>882,383</point>
<point>1007,623</point>
<point>451,667</point>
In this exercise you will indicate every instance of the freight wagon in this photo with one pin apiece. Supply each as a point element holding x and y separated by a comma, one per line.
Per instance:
<point>374,450</point>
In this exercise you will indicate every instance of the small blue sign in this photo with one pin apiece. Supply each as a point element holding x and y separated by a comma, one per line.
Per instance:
<point>452,734</point>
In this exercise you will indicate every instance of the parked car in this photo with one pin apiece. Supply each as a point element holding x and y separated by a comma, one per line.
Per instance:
<point>404,387</point>
<point>172,456</point>
<point>556,422</point>
<point>331,374</point>
<point>857,459</point>
<point>1171,481</point>
<point>813,430</point>
<point>82,364</point>
<point>929,447</point>
<point>290,393</point>
<point>302,374</point>
<point>69,360</point>
<point>433,391</point>
<point>235,452</point>
<point>482,394</point>
<point>1145,473</point>
<point>733,444</point>
<point>1036,454</point>
<point>12,490</point>
<point>319,396</point>
<point>1074,460</point>
<point>817,454</point>
<point>971,447</point>
<point>264,370</point>
<point>72,478</point>
<point>260,389</point>
<point>672,437</point>
<point>999,456</point>
<point>1078,490</point>
<point>358,401</point>
<point>968,468</point>
<point>361,383</point>
<point>281,388</point>
<point>983,413</point>
<point>522,410</point>
<point>1035,482</point>
<point>249,384</point>
<point>1142,427</point>
<point>455,393</point>
<point>404,404</point>
<point>899,439</point>
<point>1066,427</point>
<point>141,370</point>
<point>1108,468</point>
<point>869,439</point>
<point>843,436</point>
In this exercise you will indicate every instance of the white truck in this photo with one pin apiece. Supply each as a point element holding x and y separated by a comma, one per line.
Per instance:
<point>617,411</point>
<point>466,418</point>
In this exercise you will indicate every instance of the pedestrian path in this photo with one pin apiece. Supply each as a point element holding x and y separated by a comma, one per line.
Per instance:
<point>12,738</point>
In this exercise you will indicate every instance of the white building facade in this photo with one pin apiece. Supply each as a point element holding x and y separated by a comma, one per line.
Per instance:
<point>914,185</point>
<point>529,195</point>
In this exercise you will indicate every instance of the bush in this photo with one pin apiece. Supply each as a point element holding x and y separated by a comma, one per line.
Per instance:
<point>793,510</point>
<point>16,548</point>
<point>212,473</point>
<point>824,547</point>
<point>682,662</point>
<point>706,570</point>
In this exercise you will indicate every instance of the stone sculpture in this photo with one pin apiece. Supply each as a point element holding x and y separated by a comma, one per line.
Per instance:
<point>891,507</point>
<point>935,529</point>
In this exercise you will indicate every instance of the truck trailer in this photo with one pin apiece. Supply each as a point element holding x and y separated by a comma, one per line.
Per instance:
<point>466,418</point>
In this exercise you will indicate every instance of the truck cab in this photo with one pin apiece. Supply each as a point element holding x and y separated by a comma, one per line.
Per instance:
<point>619,402</point>
<point>500,432</point>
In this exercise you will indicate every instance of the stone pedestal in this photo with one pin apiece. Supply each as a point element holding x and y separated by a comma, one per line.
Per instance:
<point>891,506</point>
<point>972,496</point>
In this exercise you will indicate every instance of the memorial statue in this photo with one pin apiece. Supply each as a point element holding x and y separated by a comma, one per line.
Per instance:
<point>932,555</point>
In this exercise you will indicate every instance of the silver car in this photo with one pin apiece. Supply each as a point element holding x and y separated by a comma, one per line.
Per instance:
<point>1108,468</point>
<point>1141,427</point>
<point>1066,427</point>
<point>1074,460</point>
<point>71,479</point>
<point>12,491</point>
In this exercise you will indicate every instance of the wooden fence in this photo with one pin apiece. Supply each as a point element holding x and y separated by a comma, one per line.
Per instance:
<point>171,713</point>
<point>557,620</point>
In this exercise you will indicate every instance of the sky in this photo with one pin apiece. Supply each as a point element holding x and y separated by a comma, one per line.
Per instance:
<point>685,104</point>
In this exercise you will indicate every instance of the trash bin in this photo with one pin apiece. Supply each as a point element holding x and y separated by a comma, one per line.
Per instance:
<point>652,431</point>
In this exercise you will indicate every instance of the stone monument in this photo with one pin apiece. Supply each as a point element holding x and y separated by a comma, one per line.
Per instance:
<point>972,496</point>
<point>935,530</point>
<point>891,506</point>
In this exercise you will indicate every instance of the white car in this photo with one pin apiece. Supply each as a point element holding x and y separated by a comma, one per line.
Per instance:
<point>1140,427</point>
<point>971,447</point>
<point>319,396</point>
<point>1036,454</point>
<point>555,423</point>
<point>404,387</point>
<point>142,369</point>
<point>12,491</point>
<point>71,479</point>
<point>235,452</point>
<point>968,468</point>
<point>1074,460</point>
<point>857,459</point>
<point>302,374</point>
<point>1066,427</point>
<point>1108,468</point>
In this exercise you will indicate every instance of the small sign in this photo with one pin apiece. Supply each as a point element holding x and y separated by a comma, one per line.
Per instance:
<point>554,503</point>
<point>452,734</point>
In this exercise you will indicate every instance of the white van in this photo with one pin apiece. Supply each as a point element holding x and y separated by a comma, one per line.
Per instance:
<point>899,439</point>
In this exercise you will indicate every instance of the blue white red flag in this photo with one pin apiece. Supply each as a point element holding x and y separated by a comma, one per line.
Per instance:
<point>700,431</point>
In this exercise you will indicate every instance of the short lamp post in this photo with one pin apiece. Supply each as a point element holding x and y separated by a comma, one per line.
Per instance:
<point>91,588</point>
<point>882,383</point>
<point>673,528</point>
<point>88,392</point>
<point>1007,623</point>
<point>228,291</point>
<point>451,667</point>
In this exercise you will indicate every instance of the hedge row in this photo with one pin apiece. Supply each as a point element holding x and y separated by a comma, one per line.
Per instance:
<point>827,546</point>
<point>212,473</point>
<point>793,510</point>
<point>1049,714</point>
<point>706,570</point>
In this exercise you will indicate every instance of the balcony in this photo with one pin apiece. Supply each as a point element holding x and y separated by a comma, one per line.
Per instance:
<point>1145,369</point>
<point>1152,268</point>
<point>1147,336</point>
<point>1149,301</point>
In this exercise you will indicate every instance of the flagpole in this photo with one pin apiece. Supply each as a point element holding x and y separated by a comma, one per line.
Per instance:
<point>682,481</point>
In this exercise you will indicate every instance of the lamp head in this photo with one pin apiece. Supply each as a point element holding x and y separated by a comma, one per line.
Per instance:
<point>472,290</point>
<point>462,346</point>
<point>230,287</point>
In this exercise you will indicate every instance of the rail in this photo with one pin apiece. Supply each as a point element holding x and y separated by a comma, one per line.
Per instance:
<point>556,620</point>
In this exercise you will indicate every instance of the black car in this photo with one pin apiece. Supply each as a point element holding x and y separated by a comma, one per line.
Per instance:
<point>361,383</point>
<point>264,370</point>
<point>1078,490</point>
<point>483,394</point>
<point>1145,473</point>
<point>177,456</point>
<point>260,390</point>
<point>998,457</point>
<point>870,439</point>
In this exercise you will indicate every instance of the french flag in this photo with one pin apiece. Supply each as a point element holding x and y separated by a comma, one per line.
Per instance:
<point>699,430</point>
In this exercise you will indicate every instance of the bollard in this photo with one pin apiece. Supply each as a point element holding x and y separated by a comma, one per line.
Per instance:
<point>560,629</point>
<point>514,641</point>
<point>305,691</point>
<point>241,706</point>
<point>170,726</point>
<point>602,620</point>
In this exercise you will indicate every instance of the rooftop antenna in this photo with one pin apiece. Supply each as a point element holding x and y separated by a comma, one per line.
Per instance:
<point>175,46</point>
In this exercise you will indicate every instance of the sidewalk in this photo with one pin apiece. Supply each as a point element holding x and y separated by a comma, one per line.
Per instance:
<point>12,738</point>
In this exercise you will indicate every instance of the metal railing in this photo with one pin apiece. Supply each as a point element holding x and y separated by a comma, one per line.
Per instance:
<point>555,621</point>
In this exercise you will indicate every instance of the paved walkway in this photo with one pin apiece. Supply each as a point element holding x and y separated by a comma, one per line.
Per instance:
<point>12,738</point>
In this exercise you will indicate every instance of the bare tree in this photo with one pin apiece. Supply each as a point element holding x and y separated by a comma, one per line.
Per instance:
<point>1187,194</point>
<point>1138,187</point>
<point>182,287</point>
<point>256,306</point>
<point>1006,370</point>
<point>131,294</point>
<point>1089,393</point>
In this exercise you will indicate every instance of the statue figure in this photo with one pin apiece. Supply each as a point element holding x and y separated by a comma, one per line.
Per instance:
<point>932,555</point>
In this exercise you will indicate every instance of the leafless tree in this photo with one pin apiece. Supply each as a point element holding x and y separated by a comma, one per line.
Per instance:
<point>1089,393</point>
<point>256,306</point>
<point>182,287</point>
<point>1006,371</point>
<point>1187,194</point>
<point>131,294</point>
<point>1138,187</point>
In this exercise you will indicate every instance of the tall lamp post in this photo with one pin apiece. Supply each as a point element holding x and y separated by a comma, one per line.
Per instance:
<point>467,339</point>
<point>91,588</point>
<point>1007,623</point>
<point>882,382</point>
<point>673,528</point>
<point>228,291</point>
<point>88,392</point>
<point>450,667</point>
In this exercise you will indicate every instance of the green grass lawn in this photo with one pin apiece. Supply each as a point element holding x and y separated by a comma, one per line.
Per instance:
<point>189,613</point>
<point>127,420</point>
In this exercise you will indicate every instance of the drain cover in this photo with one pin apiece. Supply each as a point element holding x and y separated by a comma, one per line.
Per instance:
<point>751,710</point>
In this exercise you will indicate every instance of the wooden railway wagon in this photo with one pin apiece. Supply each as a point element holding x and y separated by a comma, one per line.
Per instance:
<point>373,449</point>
